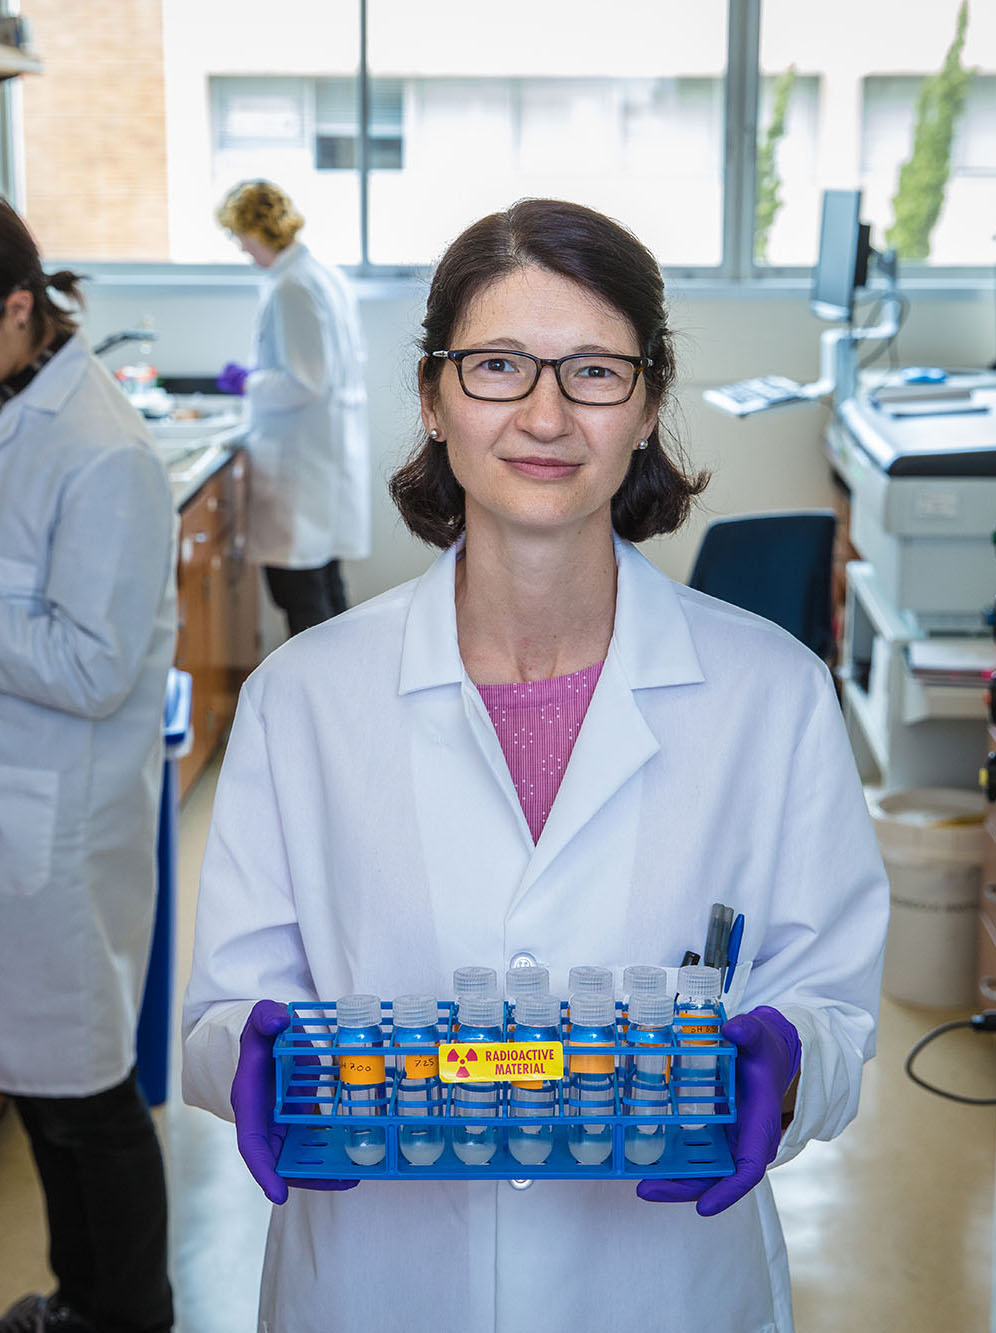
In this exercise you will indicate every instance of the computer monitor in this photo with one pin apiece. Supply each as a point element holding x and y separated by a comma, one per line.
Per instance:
<point>842,265</point>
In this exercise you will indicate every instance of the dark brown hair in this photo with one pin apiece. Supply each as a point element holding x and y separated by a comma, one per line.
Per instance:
<point>21,271</point>
<point>607,260</point>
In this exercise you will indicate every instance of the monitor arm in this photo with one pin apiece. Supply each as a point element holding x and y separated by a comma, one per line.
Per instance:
<point>838,370</point>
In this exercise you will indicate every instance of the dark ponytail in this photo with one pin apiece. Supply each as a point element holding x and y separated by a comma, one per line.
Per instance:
<point>21,271</point>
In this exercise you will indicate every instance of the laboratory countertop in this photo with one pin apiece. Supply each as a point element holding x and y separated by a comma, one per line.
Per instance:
<point>193,448</point>
<point>187,475</point>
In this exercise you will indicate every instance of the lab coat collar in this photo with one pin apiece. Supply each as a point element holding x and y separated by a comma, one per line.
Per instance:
<point>651,641</point>
<point>285,258</point>
<point>651,636</point>
<point>430,655</point>
<point>651,646</point>
<point>50,388</point>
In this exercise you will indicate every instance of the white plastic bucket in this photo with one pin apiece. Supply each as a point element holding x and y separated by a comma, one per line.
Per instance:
<point>931,841</point>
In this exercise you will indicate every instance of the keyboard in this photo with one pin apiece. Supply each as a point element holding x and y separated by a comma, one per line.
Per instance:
<point>755,395</point>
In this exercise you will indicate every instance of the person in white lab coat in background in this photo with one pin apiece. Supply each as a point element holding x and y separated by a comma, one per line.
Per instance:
<point>309,485</point>
<point>400,796</point>
<point>87,628</point>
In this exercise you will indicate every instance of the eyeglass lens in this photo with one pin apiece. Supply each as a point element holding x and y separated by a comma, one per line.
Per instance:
<point>498,376</point>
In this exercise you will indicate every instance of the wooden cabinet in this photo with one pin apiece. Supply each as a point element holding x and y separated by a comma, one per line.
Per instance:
<point>217,639</point>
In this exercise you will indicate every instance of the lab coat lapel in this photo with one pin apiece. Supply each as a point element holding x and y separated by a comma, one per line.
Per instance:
<point>431,658</point>
<point>651,647</point>
<point>614,743</point>
<point>49,389</point>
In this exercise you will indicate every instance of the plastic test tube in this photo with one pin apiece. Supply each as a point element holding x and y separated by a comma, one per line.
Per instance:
<point>361,1076</point>
<point>646,1075</point>
<point>419,1092</point>
<point>537,1020</point>
<point>592,1077</point>
<point>476,1144</point>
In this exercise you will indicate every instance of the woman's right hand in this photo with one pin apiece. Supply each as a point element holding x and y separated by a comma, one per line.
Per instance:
<point>254,1093</point>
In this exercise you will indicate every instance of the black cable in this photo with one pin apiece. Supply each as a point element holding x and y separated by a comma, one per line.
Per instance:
<point>984,1022</point>
<point>887,346</point>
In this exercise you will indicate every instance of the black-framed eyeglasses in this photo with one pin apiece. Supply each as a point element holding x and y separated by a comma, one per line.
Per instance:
<point>496,375</point>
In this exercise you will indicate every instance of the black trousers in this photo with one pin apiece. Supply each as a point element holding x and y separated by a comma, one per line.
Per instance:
<point>307,596</point>
<point>102,1173</point>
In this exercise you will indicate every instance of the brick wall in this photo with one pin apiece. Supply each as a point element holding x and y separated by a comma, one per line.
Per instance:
<point>94,130</point>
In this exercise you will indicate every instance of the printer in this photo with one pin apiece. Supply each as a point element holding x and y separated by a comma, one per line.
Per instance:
<point>920,464</point>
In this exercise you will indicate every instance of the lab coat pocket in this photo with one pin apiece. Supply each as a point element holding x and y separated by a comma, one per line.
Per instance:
<point>27,829</point>
<point>733,999</point>
<point>18,579</point>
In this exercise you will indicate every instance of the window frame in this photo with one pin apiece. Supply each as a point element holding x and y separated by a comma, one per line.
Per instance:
<point>736,273</point>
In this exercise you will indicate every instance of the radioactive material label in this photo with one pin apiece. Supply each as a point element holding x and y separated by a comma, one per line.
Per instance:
<point>500,1061</point>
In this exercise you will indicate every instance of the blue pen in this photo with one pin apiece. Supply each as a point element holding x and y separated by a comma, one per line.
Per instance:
<point>733,949</point>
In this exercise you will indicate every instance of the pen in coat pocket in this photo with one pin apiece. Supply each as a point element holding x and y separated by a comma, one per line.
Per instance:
<point>733,950</point>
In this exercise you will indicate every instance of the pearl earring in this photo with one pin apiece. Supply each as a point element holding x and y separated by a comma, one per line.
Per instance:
<point>434,434</point>
<point>643,444</point>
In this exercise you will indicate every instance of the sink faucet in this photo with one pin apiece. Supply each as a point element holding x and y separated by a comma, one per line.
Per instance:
<point>124,336</point>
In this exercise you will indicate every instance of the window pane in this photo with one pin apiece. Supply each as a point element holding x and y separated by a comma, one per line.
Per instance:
<point>182,99</point>
<point>622,110</point>
<point>851,112</point>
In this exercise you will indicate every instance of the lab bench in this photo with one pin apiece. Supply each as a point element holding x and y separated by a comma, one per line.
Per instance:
<point>217,597</point>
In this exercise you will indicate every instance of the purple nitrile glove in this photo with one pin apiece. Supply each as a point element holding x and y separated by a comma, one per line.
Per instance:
<point>768,1055</point>
<point>254,1094</point>
<point>232,378</point>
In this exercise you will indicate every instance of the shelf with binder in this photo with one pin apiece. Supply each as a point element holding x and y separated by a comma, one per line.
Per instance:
<point>914,734</point>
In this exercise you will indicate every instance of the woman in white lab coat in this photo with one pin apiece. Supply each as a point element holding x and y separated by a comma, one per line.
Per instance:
<point>374,826</point>
<point>309,495</point>
<point>87,625</point>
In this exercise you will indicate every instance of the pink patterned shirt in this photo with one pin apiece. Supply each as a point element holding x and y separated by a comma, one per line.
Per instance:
<point>537,723</point>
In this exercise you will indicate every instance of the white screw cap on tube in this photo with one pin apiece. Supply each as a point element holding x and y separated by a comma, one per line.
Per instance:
<point>415,1011</point>
<point>481,1011</point>
<point>357,1011</point>
<point>474,981</point>
<point>699,983</point>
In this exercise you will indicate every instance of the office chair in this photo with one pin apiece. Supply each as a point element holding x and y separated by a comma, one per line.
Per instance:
<point>777,565</point>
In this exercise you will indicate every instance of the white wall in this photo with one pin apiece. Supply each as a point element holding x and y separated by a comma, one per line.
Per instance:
<point>768,462</point>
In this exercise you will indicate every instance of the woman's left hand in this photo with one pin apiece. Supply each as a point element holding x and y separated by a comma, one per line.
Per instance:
<point>768,1055</point>
<point>232,378</point>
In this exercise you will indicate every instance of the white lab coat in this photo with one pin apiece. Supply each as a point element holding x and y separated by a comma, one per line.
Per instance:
<point>309,493</point>
<point>87,624</point>
<point>367,836</point>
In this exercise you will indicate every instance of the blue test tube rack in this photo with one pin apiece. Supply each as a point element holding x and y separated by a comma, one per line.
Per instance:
<point>308,1102</point>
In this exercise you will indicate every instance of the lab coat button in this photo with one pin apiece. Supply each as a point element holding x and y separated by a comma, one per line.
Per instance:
<point>522,959</point>
<point>520,1184</point>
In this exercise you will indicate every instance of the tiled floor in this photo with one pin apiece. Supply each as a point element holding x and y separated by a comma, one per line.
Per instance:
<point>889,1228</point>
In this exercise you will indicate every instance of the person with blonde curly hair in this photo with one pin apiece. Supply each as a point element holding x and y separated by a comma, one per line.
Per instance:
<point>308,448</point>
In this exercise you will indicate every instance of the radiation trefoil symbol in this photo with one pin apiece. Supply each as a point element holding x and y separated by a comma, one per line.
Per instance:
<point>464,1060</point>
